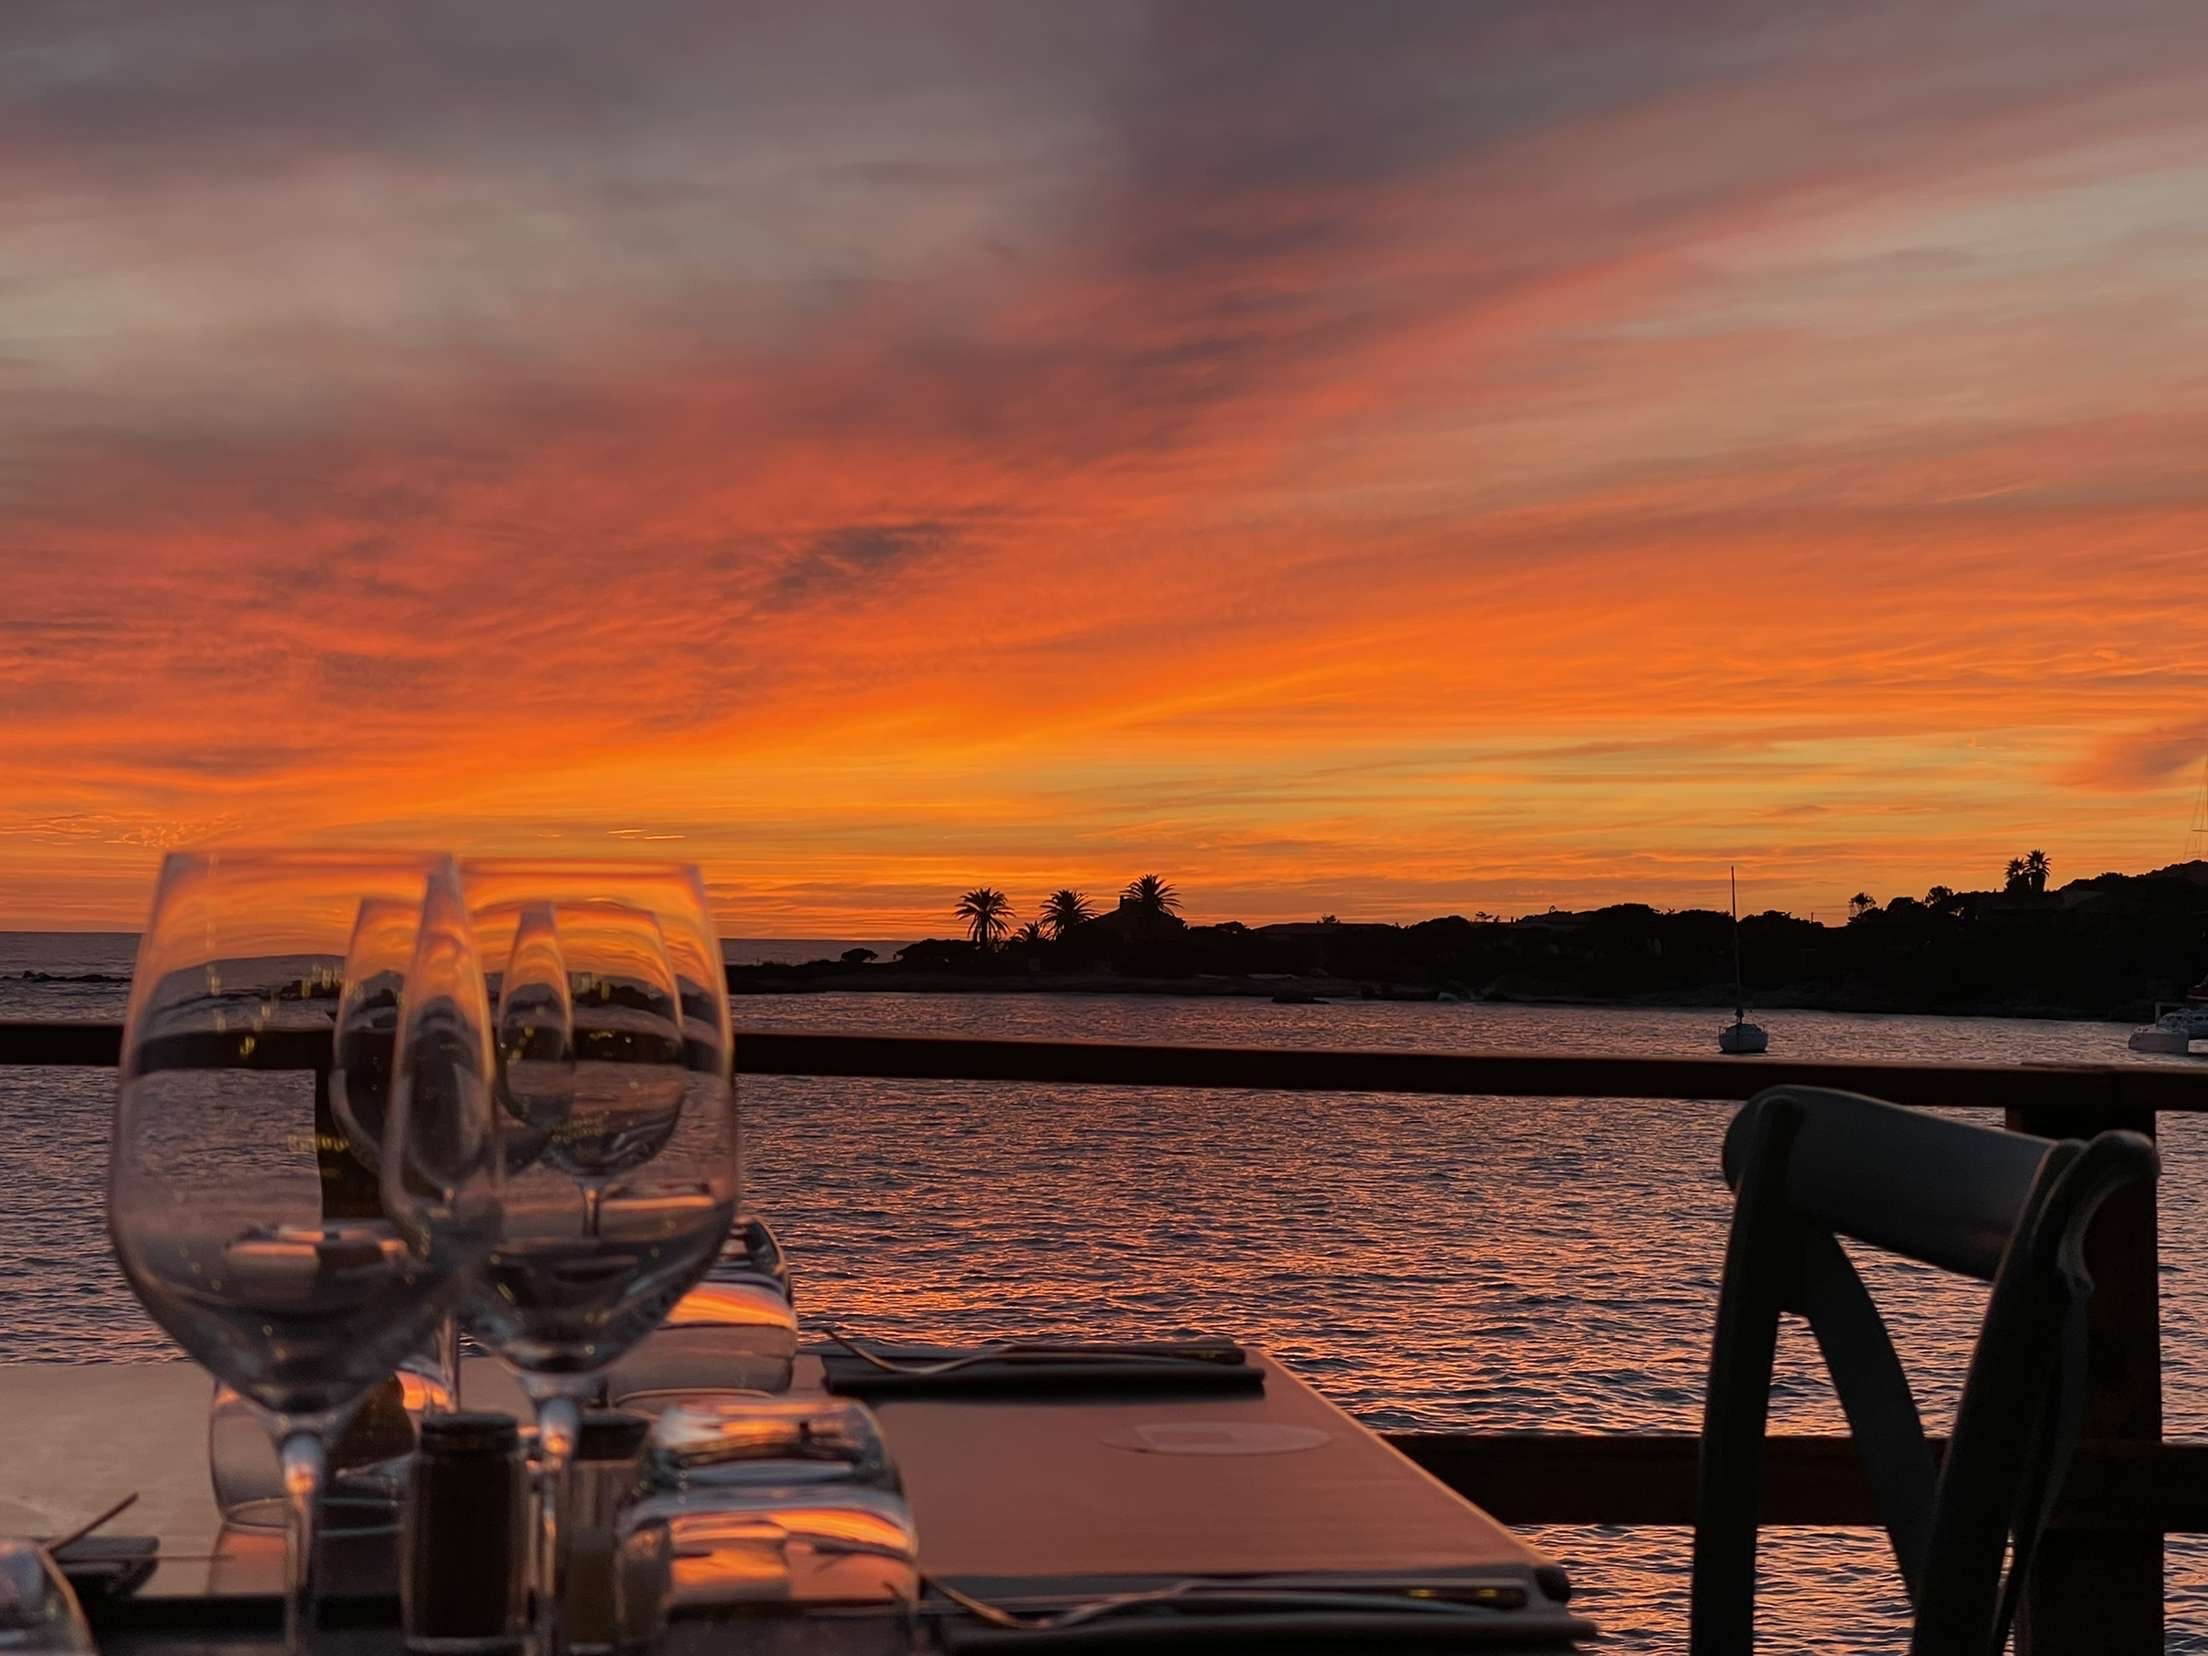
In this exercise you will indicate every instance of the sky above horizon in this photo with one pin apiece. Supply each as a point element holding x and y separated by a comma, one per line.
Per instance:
<point>1381,460</point>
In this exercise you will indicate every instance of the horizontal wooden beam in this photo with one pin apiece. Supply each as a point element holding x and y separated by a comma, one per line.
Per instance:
<point>1646,1478</point>
<point>2115,1087</point>
<point>64,1045</point>
<point>1469,1074</point>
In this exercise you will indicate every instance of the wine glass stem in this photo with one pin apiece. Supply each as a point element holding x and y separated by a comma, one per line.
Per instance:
<point>303,1460</point>
<point>559,1420</point>
<point>448,1360</point>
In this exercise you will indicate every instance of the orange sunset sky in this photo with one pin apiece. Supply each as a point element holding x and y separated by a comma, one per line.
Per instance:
<point>1354,458</point>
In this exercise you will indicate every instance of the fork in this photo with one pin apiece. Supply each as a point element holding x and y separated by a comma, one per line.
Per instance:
<point>1223,1352</point>
<point>1261,1596</point>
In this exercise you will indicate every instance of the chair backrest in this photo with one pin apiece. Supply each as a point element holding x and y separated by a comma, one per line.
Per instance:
<point>1810,1166</point>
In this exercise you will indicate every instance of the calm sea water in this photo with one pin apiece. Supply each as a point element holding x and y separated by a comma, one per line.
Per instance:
<point>1451,1264</point>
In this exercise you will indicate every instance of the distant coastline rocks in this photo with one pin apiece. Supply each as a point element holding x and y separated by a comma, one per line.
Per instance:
<point>2108,947</point>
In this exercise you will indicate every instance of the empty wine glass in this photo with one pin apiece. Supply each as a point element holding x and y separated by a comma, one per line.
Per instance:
<point>222,1214</point>
<point>634,1194</point>
<point>377,961</point>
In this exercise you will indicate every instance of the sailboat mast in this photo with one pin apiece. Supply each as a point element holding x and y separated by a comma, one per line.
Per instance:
<point>1740,993</point>
<point>2196,836</point>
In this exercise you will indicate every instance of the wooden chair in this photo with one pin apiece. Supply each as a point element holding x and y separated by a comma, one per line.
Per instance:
<point>1810,1166</point>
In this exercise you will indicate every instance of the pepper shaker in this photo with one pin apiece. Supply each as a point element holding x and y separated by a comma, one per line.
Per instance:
<point>464,1540</point>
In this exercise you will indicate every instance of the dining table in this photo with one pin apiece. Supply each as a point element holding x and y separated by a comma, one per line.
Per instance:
<point>1043,1495</point>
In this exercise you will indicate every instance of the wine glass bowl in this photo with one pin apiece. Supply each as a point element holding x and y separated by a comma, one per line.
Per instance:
<point>630,1201</point>
<point>221,1184</point>
<point>671,892</point>
<point>629,1072</point>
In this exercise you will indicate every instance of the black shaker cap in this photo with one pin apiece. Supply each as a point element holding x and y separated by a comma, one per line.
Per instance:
<point>470,1434</point>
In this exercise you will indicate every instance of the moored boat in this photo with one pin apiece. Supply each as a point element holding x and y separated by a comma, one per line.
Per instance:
<point>2176,1028</point>
<point>1740,1038</point>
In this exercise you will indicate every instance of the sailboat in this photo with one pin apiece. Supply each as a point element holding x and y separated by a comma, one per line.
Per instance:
<point>1740,1037</point>
<point>2176,1028</point>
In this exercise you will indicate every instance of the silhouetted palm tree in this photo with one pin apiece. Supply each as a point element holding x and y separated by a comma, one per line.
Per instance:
<point>2036,869</point>
<point>987,913</point>
<point>1151,893</point>
<point>1031,934</point>
<point>2014,875</point>
<point>1065,909</point>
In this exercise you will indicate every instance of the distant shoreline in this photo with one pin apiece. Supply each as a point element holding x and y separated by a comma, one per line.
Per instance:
<point>747,981</point>
<point>764,978</point>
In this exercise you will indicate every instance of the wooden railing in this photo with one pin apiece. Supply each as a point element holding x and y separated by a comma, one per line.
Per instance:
<point>2097,1585</point>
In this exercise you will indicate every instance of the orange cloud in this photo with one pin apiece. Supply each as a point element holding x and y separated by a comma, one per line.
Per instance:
<point>1476,470</point>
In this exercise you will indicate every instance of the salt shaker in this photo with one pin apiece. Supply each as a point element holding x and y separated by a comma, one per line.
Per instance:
<point>602,1480</point>
<point>464,1540</point>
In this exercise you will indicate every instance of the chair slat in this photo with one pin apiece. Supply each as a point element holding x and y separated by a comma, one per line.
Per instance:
<point>1933,1189</point>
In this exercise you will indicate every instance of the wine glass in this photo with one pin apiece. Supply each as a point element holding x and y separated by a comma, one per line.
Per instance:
<point>377,961</point>
<point>531,1042</point>
<point>222,1207</point>
<point>635,1191</point>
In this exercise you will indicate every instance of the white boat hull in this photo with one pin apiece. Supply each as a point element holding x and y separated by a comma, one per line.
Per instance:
<point>1743,1038</point>
<point>2174,1032</point>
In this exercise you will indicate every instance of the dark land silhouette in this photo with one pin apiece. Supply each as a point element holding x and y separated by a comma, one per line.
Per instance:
<point>2106,947</point>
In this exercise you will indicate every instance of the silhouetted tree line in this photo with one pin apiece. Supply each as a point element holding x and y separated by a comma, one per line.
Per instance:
<point>2107,946</point>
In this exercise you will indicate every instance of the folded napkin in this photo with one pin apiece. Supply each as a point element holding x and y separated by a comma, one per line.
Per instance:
<point>106,1566</point>
<point>1039,1368</point>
